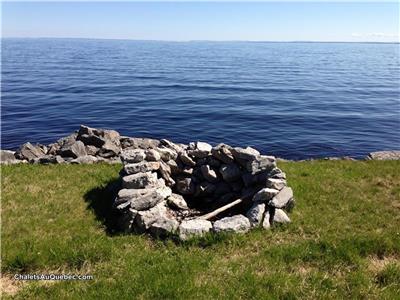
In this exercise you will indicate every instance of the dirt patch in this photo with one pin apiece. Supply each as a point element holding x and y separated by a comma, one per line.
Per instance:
<point>376,264</point>
<point>9,285</point>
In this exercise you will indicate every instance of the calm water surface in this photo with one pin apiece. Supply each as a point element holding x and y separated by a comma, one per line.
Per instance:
<point>293,100</point>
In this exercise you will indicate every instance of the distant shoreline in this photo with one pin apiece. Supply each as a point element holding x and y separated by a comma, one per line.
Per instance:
<point>204,41</point>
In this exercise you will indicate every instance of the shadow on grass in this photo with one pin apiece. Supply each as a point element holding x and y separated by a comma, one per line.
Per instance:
<point>100,200</point>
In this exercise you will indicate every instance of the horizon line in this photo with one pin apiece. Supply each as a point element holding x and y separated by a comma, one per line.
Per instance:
<point>200,40</point>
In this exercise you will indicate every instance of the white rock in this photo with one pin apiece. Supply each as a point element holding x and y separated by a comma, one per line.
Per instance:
<point>140,180</point>
<point>177,201</point>
<point>133,155</point>
<point>167,153</point>
<point>141,167</point>
<point>279,217</point>
<point>282,199</point>
<point>141,199</point>
<point>195,227</point>
<point>152,155</point>
<point>275,183</point>
<point>145,218</point>
<point>237,223</point>
<point>163,227</point>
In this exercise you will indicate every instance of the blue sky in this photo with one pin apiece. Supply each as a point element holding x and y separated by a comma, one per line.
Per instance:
<point>181,21</point>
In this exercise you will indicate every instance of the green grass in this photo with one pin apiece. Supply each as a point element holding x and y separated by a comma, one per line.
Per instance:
<point>344,241</point>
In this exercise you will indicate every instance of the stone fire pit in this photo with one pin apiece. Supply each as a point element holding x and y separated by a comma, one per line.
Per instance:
<point>193,189</point>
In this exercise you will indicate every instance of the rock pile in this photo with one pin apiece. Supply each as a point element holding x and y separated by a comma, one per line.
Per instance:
<point>169,188</point>
<point>86,146</point>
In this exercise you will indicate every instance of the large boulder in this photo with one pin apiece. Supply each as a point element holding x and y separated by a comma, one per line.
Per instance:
<point>237,223</point>
<point>109,149</point>
<point>73,150</point>
<point>29,152</point>
<point>262,163</point>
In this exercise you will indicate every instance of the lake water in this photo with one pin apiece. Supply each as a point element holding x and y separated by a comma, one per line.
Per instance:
<point>293,100</point>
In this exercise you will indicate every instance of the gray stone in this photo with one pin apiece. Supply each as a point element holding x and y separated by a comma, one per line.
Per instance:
<point>255,214</point>
<point>201,150</point>
<point>138,143</point>
<point>109,149</point>
<point>142,199</point>
<point>152,155</point>
<point>53,149</point>
<point>141,167</point>
<point>163,227</point>
<point>186,159</point>
<point>167,153</point>
<point>133,155</point>
<point>275,183</point>
<point>237,223</point>
<point>173,167</point>
<point>92,150</point>
<point>145,218</point>
<point>223,153</point>
<point>247,154</point>
<point>265,194</point>
<point>166,143</point>
<point>262,163</point>
<point>86,159</point>
<point>195,227</point>
<point>165,172</point>
<point>185,186</point>
<point>282,198</point>
<point>230,172</point>
<point>74,150</point>
<point>29,152</point>
<point>187,171</point>
<point>7,157</point>
<point>140,180</point>
<point>177,201</point>
<point>384,155</point>
<point>208,173</point>
<point>281,217</point>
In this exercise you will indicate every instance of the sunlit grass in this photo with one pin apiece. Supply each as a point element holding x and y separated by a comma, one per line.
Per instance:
<point>344,241</point>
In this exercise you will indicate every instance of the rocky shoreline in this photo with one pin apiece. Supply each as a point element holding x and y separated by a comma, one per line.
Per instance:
<point>92,145</point>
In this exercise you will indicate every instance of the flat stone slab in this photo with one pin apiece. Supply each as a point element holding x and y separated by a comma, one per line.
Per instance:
<point>195,227</point>
<point>283,198</point>
<point>237,223</point>
<point>384,155</point>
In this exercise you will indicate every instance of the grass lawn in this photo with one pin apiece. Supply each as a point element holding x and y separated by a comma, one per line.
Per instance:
<point>344,241</point>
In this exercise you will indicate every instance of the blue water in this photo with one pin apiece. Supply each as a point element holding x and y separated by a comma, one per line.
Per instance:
<point>293,100</point>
